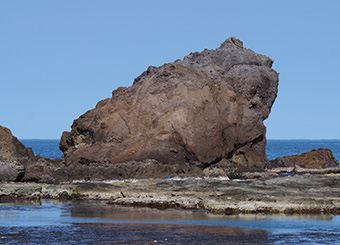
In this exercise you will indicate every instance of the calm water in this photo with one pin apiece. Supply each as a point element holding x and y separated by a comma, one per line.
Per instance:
<point>55,222</point>
<point>92,222</point>
<point>44,148</point>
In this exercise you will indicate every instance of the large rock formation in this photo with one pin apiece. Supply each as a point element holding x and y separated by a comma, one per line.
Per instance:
<point>200,110</point>
<point>197,112</point>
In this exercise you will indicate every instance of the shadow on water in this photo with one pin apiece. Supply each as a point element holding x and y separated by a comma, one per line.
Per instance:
<point>35,202</point>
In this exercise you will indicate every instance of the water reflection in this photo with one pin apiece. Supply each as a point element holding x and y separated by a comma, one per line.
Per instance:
<point>116,213</point>
<point>35,202</point>
<point>81,219</point>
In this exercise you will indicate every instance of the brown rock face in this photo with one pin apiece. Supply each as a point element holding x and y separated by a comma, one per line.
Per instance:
<point>315,159</point>
<point>12,153</point>
<point>11,148</point>
<point>199,111</point>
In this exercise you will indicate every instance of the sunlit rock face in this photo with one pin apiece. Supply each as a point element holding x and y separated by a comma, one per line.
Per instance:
<point>314,159</point>
<point>12,155</point>
<point>205,111</point>
<point>11,148</point>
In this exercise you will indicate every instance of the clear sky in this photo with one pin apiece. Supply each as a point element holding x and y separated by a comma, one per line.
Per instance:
<point>59,58</point>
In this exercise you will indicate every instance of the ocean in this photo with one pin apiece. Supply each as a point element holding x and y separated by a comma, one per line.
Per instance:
<point>45,148</point>
<point>95,222</point>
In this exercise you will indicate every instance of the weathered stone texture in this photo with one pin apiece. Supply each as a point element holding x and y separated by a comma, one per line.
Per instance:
<point>12,155</point>
<point>208,107</point>
<point>11,148</point>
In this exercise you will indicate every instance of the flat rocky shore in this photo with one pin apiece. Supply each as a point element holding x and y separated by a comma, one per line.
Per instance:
<point>298,194</point>
<point>199,116</point>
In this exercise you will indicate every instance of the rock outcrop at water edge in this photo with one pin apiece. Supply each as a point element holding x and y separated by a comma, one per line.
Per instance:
<point>18,163</point>
<point>12,153</point>
<point>11,149</point>
<point>205,111</point>
<point>314,159</point>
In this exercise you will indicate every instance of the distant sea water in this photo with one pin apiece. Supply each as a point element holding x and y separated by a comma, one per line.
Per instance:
<point>46,148</point>
<point>275,148</point>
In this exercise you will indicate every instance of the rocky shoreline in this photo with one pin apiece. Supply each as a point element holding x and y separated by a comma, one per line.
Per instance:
<point>199,119</point>
<point>298,194</point>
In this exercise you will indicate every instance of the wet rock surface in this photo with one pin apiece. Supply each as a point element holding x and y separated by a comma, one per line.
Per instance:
<point>206,110</point>
<point>298,194</point>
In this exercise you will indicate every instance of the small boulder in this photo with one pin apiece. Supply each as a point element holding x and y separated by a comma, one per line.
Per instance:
<point>11,171</point>
<point>12,155</point>
<point>314,159</point>
<point>11,149</point>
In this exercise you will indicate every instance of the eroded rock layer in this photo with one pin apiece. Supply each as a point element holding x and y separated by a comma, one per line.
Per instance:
<point>198,112</point>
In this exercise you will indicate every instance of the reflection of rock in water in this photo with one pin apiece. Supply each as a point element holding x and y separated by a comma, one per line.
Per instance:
<point>20,202</point>
<point>131,234</point>
<point>148,226</point>
<point>161,233</point>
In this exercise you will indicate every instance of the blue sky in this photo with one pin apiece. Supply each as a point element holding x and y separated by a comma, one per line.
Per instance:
<point>59,58</point>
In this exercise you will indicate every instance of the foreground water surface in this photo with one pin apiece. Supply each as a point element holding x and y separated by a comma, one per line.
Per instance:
<point>51,222</point>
